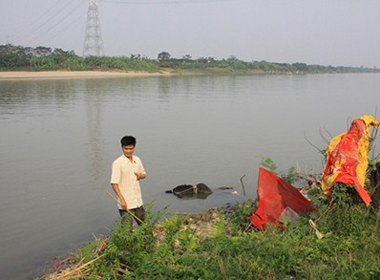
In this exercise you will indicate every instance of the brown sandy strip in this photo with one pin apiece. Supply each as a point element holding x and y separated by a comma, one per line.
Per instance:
<point>26,75</point>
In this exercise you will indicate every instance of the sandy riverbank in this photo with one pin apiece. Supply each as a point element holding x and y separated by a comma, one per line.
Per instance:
<point>25,75</point>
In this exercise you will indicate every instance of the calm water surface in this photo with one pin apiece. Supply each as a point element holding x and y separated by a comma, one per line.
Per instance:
<point>59,137</point>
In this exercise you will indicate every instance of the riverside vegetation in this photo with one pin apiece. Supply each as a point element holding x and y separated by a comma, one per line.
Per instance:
<point>41,58</point>
<point>221,244</point>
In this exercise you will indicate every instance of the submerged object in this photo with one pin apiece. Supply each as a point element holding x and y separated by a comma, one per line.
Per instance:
<point>200,190</point>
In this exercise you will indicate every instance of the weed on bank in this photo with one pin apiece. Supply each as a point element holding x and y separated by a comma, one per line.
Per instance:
<point>220,244</point>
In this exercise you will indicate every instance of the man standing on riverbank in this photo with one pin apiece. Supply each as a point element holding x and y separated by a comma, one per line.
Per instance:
<point>127,171</point>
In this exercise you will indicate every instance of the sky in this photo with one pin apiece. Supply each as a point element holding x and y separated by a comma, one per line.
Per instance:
<point>323,32</point>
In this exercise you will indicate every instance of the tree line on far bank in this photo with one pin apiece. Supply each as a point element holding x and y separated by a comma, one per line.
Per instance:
<point>40,58</point>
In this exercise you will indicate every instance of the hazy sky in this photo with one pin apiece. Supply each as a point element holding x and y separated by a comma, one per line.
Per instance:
<point>325,32</point>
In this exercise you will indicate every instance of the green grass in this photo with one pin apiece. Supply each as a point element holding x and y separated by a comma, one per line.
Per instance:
<point>174,248</point>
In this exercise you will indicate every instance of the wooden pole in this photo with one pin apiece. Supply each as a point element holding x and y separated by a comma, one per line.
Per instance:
<point>133,215</point>
<point>242,184</point>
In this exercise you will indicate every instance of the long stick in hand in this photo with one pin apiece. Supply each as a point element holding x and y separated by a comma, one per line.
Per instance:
<point>133,215</point>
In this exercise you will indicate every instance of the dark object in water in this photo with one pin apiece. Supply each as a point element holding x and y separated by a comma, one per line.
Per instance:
<point>200,190</point>
<point>223,188</point>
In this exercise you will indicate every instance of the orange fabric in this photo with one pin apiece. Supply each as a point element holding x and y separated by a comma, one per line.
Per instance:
<point>276,197</point>
<point>347,158</point>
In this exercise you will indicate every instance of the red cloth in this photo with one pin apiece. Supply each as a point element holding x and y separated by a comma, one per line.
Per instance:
<point>275,196</point>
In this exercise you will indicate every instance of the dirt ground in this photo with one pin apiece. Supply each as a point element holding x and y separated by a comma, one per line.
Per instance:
<point>26,75</point>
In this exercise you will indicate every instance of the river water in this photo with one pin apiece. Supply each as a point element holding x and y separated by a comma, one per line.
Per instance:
<point>59,137</point>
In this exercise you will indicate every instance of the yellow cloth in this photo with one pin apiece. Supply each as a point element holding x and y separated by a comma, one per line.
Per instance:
<point>346,152</point>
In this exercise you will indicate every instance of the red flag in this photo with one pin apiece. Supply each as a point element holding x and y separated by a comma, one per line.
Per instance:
<point>277,199</point>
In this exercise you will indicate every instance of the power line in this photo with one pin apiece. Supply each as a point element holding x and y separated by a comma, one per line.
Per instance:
<point>68,26</point>
<point>62,19</point>
<point>48,20</point>
<point>31,25</point>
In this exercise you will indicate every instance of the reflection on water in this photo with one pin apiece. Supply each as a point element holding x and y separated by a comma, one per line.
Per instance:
<point>59,137</point>
<point>187,196</point>
<point>93,103</point>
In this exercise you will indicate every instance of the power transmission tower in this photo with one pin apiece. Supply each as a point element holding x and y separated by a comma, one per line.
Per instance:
<point>93,43</point>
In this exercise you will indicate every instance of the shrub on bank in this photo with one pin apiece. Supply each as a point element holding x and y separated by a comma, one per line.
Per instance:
<point>48,59</point>
<point>219,244</point>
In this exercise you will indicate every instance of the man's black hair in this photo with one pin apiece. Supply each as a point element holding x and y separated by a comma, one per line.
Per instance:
<point>128,140</point>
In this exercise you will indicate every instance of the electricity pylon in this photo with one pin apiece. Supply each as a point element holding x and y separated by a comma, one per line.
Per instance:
<point>93,43</point>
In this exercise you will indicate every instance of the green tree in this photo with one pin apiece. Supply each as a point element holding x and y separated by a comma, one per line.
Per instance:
<point>300,66</point>
<point>163,56</point>
<point>187,57</point>
<point>13,56</point>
